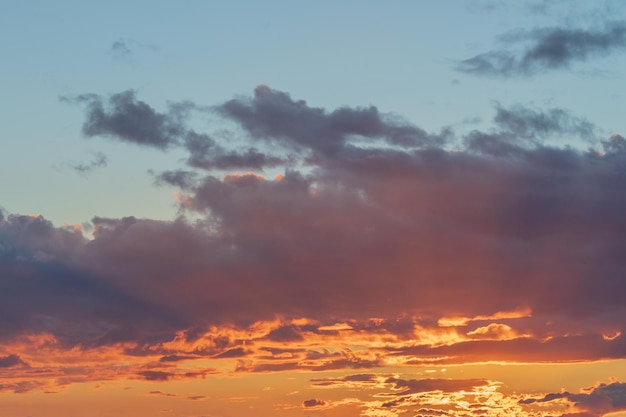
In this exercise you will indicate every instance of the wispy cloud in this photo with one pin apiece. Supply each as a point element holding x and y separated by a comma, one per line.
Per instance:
<point>545,49</point>
<point>99,160</point>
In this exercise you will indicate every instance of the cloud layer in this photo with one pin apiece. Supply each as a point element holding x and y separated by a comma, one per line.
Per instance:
<point>375,212</point>
<point>419,248</point>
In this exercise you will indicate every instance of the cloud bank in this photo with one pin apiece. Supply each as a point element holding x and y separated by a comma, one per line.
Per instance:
<point>420,248</point>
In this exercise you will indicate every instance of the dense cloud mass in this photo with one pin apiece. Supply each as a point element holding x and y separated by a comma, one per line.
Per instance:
<point>503,244</point>
<point>546,49</point>
<point>403,225</point>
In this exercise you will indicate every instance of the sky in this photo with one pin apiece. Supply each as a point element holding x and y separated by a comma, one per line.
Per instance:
<point>314,209</point>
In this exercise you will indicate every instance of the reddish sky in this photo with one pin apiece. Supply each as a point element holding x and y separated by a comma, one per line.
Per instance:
<point>326,260</point>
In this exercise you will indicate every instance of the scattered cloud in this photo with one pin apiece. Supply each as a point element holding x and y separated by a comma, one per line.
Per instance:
<point>546,49</point>
<point>127,50</point>
<point>99,160</point>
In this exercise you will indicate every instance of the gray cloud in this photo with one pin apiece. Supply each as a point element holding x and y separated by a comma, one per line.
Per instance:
<point>124,117</point>
<point>285,334</point>
<point>178,178</point>
<point>314,402</point>
<point>528,123</point>
<point>10,361</point>
<point>273,115</point>
<point>44,291</point>
<point>156,375</point>
<point>596,402</point>
<point>413,386</point>
<point>407,231</point>
<point>205,153</point>
<point>546,49</point>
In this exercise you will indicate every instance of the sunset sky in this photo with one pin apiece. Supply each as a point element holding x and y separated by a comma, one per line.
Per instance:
<point>313,209</point>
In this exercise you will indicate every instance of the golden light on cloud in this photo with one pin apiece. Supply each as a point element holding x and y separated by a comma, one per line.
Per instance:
<point>336,262</point>
<point>611,336</point>
<point>457,321</point>
<point>494,331</point>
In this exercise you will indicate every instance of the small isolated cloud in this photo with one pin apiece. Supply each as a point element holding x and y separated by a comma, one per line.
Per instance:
<point>545,49</point>
<point>163,394</point>
<point>120,49</point>
<point>314,402</point>
<point>155,375</point>
<point>99,160</point>
<point>126,50</point>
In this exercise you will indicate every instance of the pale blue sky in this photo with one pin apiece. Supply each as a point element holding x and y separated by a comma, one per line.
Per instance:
<point>399,56</point>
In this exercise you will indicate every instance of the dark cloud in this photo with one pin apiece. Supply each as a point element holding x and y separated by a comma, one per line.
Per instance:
<point>289,333</point>
<point>430,412</point>
<point>205,153</point>
<point>546,49</point>
<point>414,386</point>
<point>161,393</point>
<point>314,402</point>
<point>123,117</point>
<point>598,401</point>
<point>397,229</point>
<point>44,291</point>
<point>273,115</point>
<point>156,375</point>
<point>615,145</point>
<point>562,348</point>
<point>546,398</point>
<point>11,361</point>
